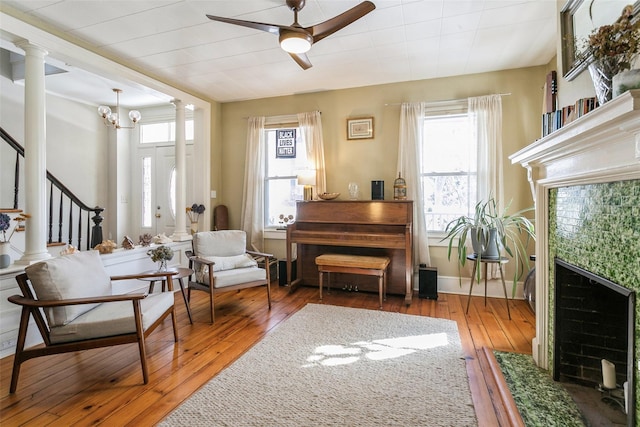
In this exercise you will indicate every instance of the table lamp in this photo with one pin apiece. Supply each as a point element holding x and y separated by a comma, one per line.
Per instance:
<point>308,179</point>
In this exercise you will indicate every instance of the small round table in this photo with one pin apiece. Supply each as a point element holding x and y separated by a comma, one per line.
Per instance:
<point>486,262</point>
<point>180,274</point>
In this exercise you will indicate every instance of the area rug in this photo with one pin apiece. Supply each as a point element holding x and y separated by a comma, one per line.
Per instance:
<point>540,400</point>
<point>338,366</point>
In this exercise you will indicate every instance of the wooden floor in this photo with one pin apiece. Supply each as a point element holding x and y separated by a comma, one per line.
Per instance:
<point>104,386</point>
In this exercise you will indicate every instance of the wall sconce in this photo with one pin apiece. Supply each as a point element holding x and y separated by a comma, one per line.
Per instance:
<point>307,177</point>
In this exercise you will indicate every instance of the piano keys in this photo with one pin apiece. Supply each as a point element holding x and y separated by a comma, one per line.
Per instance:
<point>357,227</point>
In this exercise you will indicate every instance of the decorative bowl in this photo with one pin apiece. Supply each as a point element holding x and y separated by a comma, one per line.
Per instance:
<point>328,196</point>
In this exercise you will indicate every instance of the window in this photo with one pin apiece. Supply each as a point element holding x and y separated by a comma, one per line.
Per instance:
<point>284,161</point>
<point>448,169</point>
<point>153,133</point>
<point>147,212</point>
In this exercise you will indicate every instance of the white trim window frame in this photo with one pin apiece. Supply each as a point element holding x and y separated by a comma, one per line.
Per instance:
<point>449,168</point>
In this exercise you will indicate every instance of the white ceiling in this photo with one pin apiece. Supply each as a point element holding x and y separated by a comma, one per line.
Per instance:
<point>401,40</point>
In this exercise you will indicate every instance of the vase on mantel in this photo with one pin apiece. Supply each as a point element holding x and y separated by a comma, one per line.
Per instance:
<point>194,227</point>
<point>602,72</point>
<point>5,258</point>
<point>602,82</point>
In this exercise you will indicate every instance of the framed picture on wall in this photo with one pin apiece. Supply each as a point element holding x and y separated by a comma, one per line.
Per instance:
<point>361,128</point>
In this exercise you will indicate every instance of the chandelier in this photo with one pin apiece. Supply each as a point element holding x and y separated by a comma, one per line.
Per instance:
<point>113,118</point>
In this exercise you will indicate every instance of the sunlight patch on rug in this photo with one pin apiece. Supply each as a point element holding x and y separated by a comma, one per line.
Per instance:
<point>389,348</point>
<point>339,366</point>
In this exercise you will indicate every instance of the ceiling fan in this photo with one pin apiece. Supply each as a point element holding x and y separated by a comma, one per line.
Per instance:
<point>297,40</point>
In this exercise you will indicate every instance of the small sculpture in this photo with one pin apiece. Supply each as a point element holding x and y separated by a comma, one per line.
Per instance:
<point>127,243</point>
<point>106,247</point>
<point>70,249</point>
<point>161,239</point>
<point>146,239</point>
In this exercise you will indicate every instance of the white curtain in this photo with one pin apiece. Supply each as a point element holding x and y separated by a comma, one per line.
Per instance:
<point>409,157</point>
<point>311,126</point>
<point>252,218</point>
<point>486,111</point>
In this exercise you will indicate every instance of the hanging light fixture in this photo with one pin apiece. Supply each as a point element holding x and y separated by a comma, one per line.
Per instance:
<point>113,118</point>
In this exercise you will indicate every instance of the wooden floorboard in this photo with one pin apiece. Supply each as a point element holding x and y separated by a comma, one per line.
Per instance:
<point>104,386</point>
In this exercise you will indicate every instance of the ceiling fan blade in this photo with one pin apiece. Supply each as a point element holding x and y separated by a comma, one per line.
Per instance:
<point>302,59</point>
<point>330,26</point>
<point>270,28</point>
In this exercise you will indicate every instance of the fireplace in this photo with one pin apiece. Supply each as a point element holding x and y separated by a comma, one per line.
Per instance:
<point>594,320</point>
<point>585,180</point>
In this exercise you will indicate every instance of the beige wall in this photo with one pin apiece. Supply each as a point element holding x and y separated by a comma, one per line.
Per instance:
<point>366,160</point>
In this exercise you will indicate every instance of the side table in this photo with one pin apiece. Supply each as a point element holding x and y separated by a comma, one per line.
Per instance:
<point>181,273</point>
<point>486,262</point>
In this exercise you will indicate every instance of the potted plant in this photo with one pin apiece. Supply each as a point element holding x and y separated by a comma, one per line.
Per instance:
<point>161,255</point>
<point>5,224</point>
<point>492,232</point>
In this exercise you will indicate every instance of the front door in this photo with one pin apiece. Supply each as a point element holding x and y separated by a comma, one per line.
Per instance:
<point>155,170</point>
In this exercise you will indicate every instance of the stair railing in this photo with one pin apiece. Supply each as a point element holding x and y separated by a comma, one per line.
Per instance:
<point>69,219</point>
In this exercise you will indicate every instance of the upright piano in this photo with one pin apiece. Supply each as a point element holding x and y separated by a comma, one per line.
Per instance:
<point>359,227</point>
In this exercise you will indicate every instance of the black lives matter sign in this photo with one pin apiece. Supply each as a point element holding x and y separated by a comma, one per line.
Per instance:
<point>286,143</point>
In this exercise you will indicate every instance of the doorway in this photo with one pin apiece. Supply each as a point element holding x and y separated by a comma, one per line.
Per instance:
<point>154,184</point>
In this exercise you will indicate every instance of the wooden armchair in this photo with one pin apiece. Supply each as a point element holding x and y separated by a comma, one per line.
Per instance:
<point>222,263</point>
<point>74,292</point>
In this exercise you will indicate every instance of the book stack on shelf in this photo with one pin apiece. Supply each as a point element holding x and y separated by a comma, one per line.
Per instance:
<point>554,120</point>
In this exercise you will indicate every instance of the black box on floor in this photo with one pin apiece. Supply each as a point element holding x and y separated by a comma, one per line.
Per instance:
<point>282,271</point>
<point>427,282</point>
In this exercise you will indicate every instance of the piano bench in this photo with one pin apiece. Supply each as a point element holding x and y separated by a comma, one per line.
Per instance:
<point>354,264</point>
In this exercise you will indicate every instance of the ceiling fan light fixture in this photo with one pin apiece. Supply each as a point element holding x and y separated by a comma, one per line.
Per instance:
<point>295,42</point>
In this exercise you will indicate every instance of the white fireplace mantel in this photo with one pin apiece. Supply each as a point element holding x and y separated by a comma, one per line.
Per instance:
<point>601,146</point>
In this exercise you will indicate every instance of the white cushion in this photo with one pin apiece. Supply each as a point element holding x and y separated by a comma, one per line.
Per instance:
<point>220,243</point>
<point>233,277</point>
<point>78,275</point>
<point>231,262</point>
<point>113,318</point>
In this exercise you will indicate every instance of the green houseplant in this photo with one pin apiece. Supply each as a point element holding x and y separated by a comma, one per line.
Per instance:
<point>491,232</point>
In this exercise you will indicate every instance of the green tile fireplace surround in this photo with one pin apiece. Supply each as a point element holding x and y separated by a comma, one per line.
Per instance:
<point>597,227</point>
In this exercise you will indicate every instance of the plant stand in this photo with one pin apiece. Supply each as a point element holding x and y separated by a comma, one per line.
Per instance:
<point>486,262</point>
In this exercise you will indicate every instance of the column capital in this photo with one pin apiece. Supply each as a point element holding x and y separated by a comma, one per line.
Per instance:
<point>178,103</point>
<point>31,48</point>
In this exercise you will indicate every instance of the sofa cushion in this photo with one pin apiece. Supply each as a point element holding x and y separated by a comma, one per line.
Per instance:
<point>113,318</point>
<point>220,243</point>
<point>78,275</point>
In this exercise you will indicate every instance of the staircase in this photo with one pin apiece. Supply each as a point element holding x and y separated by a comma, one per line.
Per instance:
<point>70,221</point>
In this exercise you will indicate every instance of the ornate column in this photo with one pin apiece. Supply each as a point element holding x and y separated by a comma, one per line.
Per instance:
<point>35,150</point>
<point>180,232</point>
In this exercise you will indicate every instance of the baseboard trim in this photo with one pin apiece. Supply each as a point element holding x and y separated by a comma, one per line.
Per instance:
<point>452,285</point>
